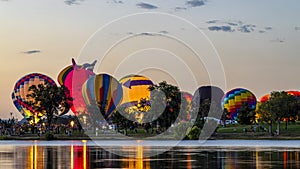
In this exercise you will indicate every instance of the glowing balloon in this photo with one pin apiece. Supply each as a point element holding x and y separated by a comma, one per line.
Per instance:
<point>188,97</point>
<point>290,92</point>
<point>73,77</point>
<point>20,92</point>
<point>103,91</point>
<point>135,88</point>
<point>235,98</point>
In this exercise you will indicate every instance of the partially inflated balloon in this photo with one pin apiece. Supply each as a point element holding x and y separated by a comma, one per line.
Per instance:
<point>103,91</point>
<point>20,92</point>
<point>135,88</point>
<point>73,77</point>
<point>235,99</point>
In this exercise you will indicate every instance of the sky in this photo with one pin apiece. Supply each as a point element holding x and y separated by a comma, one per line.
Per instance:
<point>252,44</point>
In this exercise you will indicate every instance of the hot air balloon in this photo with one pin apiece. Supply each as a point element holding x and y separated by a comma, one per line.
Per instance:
<point>104,92</point>
<point>20,92</point>
<point>135,88</point>
<point>188,97</point>
<point>235,98</point>
<point>73,77</point>
<point>136,96</point>
<point>290,92</point>
<point>211,93</point>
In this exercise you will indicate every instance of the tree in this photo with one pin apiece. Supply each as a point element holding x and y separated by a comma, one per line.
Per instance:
<point>50,100</point>
<point>172,102</point>
<point>246,115</point>
<point>280,105</point>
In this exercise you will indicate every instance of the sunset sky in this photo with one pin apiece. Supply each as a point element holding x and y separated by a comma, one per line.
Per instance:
<point>256,42</point>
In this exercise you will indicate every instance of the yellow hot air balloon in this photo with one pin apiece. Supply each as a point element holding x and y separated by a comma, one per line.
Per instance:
<point>136,94</point>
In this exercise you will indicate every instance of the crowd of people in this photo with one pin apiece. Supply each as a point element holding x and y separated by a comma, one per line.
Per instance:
<point>19,128</point>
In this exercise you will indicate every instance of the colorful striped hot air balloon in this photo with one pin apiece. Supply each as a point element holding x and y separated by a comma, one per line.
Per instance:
<point>235,98</point>
<point>73,77</point>
<point>103,91</point>
<point>20,92</point>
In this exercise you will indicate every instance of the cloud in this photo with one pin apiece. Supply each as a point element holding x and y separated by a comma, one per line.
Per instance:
<point>246,28</point>
<point>268,28</point>
<point>164,32</point>
<point>212,21</point>
<point>115,1</point>
<point>31,52</point>
<point>195,3</point>
<point>147,34</point>
<point>262,31</point>
<point>278,40</point>
<point>179,8</point>
<point>146,5</point>
<point>221,28</point>
<point>297,28</point>
<point>72,2</point>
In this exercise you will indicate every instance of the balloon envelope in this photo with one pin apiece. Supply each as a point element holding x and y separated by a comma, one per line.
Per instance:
<point>290,92</point>
<point>135,88</point>
<point>103,91</point>
<point>20,92</point>
<point>235,99</point>
<point>212,93</point>
<point>73,77</point>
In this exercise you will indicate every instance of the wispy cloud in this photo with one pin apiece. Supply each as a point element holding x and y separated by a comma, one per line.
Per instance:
<point>239,26</point>
<point>297,28</point>
<point>146,5</point>
<point>221,28</point>
<point>268,28</point>
<point>115,1</point>
<point>278,40</point>
<point>147,34</point>
<point>28,52</point>
<point>195,3</point>
<point>72,2</point>
<point>164,32</point>
<point>179,8</point>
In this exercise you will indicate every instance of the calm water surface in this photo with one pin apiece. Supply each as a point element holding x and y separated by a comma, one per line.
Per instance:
<point>229,154</point>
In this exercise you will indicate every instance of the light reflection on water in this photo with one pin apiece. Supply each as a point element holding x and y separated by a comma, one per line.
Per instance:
<point>84,155</point>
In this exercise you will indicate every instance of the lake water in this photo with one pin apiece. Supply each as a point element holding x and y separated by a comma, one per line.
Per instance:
<point>229,154</point>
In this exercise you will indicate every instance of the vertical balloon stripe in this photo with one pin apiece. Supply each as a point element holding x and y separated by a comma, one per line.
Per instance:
<point>107,90</point>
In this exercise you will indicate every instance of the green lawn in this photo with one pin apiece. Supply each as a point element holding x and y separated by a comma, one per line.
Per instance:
<point>292,129</point>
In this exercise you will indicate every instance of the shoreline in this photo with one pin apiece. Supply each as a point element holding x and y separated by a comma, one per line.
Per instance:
<point>217,136</point>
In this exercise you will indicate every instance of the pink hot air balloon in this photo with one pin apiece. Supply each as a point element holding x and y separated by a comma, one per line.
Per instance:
<point>73,77</point>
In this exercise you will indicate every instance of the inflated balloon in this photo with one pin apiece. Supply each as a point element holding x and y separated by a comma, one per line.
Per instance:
<point>211,93</point>
<point>290,92</point>
<point>264,98</point>
<point>73,77</point>
<point>103,91</point>
<point>135,88</point>
<point>188,97</point>
<point>20,92</point>
<point>235,99</point>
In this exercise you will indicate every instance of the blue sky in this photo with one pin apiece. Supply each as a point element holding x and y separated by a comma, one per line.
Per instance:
<point>257,41</point>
